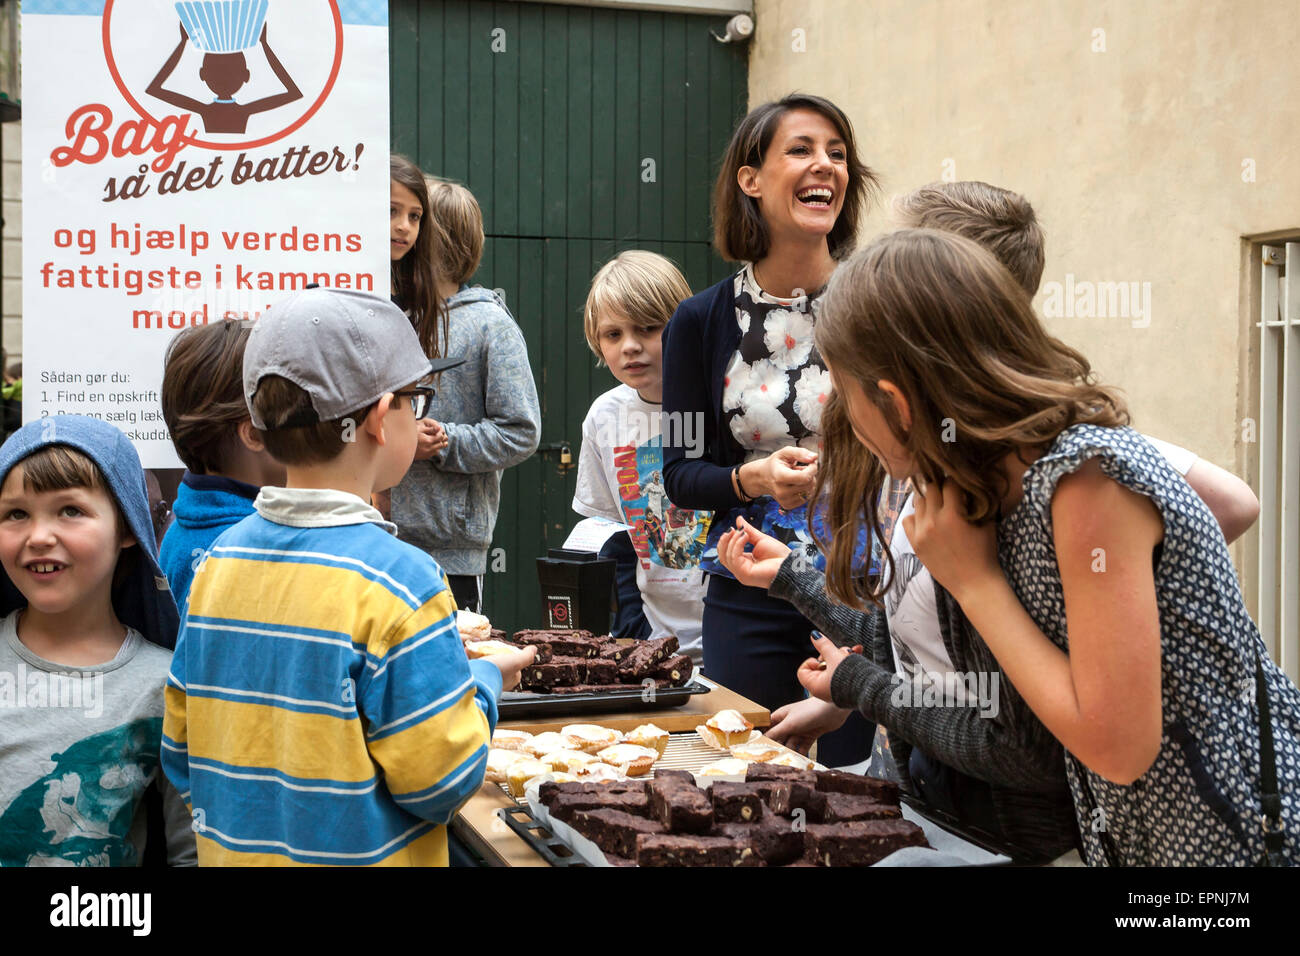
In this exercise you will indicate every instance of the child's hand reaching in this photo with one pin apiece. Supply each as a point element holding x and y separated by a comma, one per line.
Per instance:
<point>798,725</point>
<point>958,554</point>
<point>756,568</point>
<point>814,674</point>
<point>511,663</point>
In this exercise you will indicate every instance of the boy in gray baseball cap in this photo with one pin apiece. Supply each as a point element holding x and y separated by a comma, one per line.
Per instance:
<point>320,708</point>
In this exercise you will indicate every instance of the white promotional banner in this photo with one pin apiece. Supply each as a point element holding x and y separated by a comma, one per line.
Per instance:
<point>185,163</point>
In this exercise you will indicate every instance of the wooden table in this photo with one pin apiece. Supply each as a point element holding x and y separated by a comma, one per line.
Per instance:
<point>486,834</point>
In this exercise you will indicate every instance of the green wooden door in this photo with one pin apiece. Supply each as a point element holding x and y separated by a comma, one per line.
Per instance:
<point>582,132</point>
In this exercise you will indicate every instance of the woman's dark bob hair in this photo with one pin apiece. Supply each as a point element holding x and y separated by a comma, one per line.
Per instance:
<point>739,232</point>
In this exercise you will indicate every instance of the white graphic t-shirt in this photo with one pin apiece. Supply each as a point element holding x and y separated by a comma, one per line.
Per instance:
<point>620,477</point>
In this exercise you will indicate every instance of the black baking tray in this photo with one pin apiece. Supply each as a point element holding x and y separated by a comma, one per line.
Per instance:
<point>515,705</point>
<point>971,834</point>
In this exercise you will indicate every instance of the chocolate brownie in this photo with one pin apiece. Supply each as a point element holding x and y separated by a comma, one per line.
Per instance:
<point>564,805</point>
<point>614,651</point>
<point>682,778</point>
<point>670,850</point>
<point>860,843</point>
<point>837,781</point>
<point>614,831</point>
<point>676,670</point>
<point>543,655</point>
<point>563,643</point>
<point>496,634</point>
<point>554,674</point>
<point>736,802</point>
<point>550,789</point>
<point>760,772</point>
<point>784,797</point>
<point>851,806</point>
<point>680,807</point>
<point>645,655</point>
<point>600,670</point>
<point>776,840</point>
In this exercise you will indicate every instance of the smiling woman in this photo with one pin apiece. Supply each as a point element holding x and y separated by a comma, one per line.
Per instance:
<point>787,202</point>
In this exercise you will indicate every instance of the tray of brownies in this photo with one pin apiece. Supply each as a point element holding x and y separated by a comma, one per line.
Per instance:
<point>721,796</point>
<point>577,672</point>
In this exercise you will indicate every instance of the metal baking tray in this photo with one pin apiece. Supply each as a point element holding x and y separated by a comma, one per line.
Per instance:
<point>971,834</point>
<point>515,705</point>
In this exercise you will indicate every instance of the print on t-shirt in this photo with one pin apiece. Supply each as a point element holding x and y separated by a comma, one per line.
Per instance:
<point>662,533</point>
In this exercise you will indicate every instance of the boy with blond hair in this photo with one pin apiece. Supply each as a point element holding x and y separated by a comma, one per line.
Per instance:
<point>620,466</point>
<point>320,708</point>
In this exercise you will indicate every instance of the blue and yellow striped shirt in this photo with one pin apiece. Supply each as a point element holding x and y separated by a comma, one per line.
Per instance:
<point>320,708</point>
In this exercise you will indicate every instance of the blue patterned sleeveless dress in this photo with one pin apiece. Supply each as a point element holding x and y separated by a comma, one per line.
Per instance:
<point>1199,803</point>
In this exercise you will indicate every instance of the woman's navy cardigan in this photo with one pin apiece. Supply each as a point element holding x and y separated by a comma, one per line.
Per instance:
<point>697,345</point>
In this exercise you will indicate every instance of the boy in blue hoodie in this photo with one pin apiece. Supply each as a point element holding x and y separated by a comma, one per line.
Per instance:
<point>225,459</point>
<point>85,635</point>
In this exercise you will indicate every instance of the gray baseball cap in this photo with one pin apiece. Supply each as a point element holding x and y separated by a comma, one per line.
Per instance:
<point>345,349</point>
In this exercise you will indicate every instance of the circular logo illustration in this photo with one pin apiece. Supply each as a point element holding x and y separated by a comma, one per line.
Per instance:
<point>249,72</point>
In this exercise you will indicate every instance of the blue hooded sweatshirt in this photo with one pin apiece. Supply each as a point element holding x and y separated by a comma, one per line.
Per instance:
<point>144,601</point>
<point>206,505</point>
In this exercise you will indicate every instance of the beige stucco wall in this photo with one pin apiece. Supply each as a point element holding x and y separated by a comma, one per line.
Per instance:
<point>1132,155</point>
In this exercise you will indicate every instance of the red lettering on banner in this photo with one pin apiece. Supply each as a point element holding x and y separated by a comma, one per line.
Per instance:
<point>88,130</point>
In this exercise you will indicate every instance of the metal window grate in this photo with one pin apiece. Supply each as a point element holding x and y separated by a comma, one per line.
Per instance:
<point>1279,455</point>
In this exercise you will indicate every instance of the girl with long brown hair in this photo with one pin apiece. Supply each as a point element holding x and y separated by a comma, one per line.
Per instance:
<point>746,383</point>
<point>1044,516</point>
<point>413,247</point>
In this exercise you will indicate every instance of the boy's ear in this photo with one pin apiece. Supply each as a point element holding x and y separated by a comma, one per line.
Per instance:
<point>374,421</point>
<point>747,179</point>
<point>249,436</point>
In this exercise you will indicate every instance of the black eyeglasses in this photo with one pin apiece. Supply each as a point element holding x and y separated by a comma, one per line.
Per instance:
<point>421,399</point>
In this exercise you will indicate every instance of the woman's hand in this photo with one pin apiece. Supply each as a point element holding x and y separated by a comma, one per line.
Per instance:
<point>959,555</point>
<point>798,725</point>
<point>787,475</point>
<point>756,568</point>
<point>815,675</point>
<point>432,439</point>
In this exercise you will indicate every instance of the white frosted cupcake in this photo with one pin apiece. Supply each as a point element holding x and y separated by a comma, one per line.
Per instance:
<point>521,771</point>
<point>630,759</point>
<point>504,739</point>
<point>649,736</point>
<point>499,763</point>
<point>590,738</point>
<point>546,743</point>
<point>570,761</point>
<point>758,751</point>
<point>726,729</point>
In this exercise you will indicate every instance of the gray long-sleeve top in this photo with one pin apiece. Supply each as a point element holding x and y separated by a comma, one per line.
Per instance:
<point>447,506</point>
<point>1009,749</point>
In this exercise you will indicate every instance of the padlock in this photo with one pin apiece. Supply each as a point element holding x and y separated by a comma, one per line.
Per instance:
<point>566,456</point>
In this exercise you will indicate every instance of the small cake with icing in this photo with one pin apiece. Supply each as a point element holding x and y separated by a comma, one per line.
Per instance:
<point>503,739</point>
<point>590,738</point>
<point>649,736</point>
<point>630,759</point>
<point>725,729</point>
